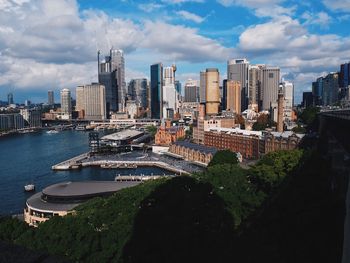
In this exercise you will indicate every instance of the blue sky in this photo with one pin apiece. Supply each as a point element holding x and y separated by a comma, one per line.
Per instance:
<point>52,44</point>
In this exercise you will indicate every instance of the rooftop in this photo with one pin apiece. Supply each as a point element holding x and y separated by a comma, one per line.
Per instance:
<point>197,147</point>
<point>122,135</point>
<point>77,189</point>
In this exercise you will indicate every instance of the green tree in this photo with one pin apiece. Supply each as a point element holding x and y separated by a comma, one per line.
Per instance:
<point>224,157</point>
<point>152,130</point>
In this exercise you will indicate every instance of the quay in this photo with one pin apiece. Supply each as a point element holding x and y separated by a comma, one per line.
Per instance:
<point>84,160</point>
<point>139,178</point>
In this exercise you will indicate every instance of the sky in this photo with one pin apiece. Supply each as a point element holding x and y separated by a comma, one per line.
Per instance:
<point>52,44</point>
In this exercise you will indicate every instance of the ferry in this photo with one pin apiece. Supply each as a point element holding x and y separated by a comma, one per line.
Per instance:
<point>29,187</point>
<point>52,131</point>
<point>80,128</point>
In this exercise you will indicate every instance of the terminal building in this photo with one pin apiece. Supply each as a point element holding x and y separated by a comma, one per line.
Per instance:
<point>61,199</point>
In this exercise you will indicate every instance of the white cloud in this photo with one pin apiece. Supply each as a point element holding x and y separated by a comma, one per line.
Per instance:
<point>182,1</point>
<point>149,7</point>
<point>321,19</point>
<point>337,5</point>
<point>46,44</point>
<point>285,42</point>
<point>249,3</point>
<point>190,16</point>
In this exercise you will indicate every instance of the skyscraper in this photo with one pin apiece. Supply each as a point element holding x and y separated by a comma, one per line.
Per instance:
<point>9,98</point>
<point>169,92</point>
<point>108,78</point>
<point>138,91</point>
<point>254,86</point>
<point>92,100</point>
<point>238,69</point>
<point>280,103</point>
<point>330,91</point>
<point>118,64</point>
<point>66,104</point>
<point>269,86</point>
<point>212,91</point>
<point>191,91</point>
<point>233,96</point>
<point>344,75</point>
<point>288,92</point>
<point>317,90</point>
<point>50,98</point>
<point>202,87</point>
<point>156,93</point>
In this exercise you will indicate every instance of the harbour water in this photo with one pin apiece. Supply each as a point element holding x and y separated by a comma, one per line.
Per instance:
<point>27,158</point>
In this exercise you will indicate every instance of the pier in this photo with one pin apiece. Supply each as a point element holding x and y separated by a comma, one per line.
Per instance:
<point>84,160</point>
<point>139,178</point>
<point>73,163</point>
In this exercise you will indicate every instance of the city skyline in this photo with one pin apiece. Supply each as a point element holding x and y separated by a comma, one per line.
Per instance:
<point>305,40</point>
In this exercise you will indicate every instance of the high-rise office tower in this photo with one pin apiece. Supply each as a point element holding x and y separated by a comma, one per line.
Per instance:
<point>317,90</point>
<point>109,78</point>
<point>344,75</point>
<point>224,95</point>
<point>202,87</point>
<point>280,103</point>
<point>191,88</point>
<point>92,100</point>
<point>66,104</point>
<point>238,69</point>
<point>169,92</point>
<point>233,96</point>
<point>288,93</point>
<point>118,64</point>
<point>156,93</point>
<point>269,86</point>
<point>254,86</point>
<point>50,98</point>
<point>212,91</point>
<point>138,91</point>
<point>330,91</point>
<point>9,98</point>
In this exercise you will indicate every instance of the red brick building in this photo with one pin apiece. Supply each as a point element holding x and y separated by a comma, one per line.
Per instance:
<point>168,134</point>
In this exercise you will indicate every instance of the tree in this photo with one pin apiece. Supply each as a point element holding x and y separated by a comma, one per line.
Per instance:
<point>152,130</point>
<point>224,157</point>
<point>263,122</point>
<point>240,120</point>
<point>308,115</point>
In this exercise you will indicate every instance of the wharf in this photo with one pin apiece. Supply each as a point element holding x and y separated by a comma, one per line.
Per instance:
<point>139,178</point>
<point>84,160</point>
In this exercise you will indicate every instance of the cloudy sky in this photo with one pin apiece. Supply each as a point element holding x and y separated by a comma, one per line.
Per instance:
<point>52,44</point>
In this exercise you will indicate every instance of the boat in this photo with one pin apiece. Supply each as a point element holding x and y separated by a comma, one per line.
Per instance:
<point>52,132</point>
<point>29,187</point>
<point>80,128</point>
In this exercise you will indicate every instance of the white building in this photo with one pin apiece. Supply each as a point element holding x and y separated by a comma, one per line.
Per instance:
<point>66,104</point>
<point>92,100</point>
<point>170,96</point>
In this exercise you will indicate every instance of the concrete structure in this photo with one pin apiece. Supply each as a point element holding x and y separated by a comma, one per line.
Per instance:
<point>91,99</point>
<point>156,91</point>
<point>32,117</point>
<point>198,128</point>
<point>121,138</point>
<point>202,87</point>
<point>118,65</point>
<point>330,91</point>
<point>66,104</point>
<point>50,98</point>
<point>193,152</point>
<point>167,134</point>
<point>138,91</point>
<point>169,94</point>
<point>61,199</point>
<point>10,99</point>
<point>212,91</point>
<point>191,88</point>
<point>132,109</point>
<point>270,85</point>
<point>233,96</point>
<point>254,86</point>
<point>288,92</point>
<point>11,121</point>
<point>238,69</point>
<point>280,105</point>
<point>251,144</point>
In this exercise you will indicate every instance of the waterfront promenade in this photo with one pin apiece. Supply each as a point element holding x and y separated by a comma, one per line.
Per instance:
<point>129,160</point>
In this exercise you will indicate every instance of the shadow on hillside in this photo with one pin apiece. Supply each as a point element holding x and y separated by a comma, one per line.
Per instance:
<point>181,221</point>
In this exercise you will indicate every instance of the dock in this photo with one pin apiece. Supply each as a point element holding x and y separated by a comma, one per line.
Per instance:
<point>139,178</point>
<point>73,163</point>
<point>84,160</point>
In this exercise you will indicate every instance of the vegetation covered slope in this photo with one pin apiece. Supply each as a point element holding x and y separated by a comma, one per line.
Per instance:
<point>209,217</point>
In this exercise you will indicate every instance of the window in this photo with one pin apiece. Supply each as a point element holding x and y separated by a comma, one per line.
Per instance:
<point>271,75</point>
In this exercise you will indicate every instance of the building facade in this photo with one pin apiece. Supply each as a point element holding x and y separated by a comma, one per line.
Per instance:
<point>50,97</point>
<point>138,91</point>
<point>156,91</point>
<point>91,99</point>
<point>233,96</point>
<point>66,104</point>
<point>167,134</point>
<point>191,88</point>
<point>193,152</point>
<point>212,91</point>
<point>270,85</point>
